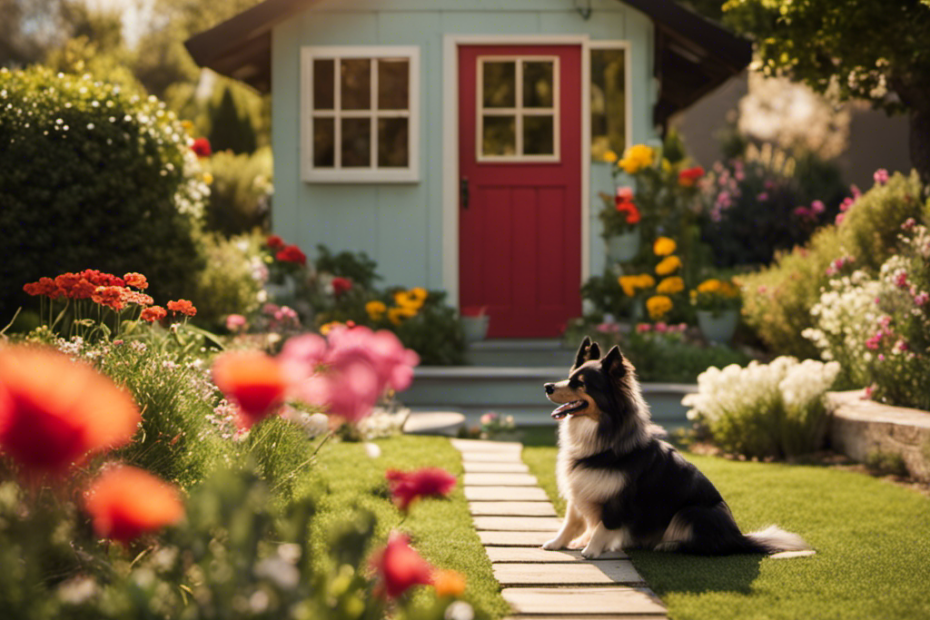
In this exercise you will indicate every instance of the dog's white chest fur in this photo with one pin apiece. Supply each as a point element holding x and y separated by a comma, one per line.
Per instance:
<point>584,487</point>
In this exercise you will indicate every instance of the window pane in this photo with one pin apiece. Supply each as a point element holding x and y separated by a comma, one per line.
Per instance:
<point>356,142</point>
<point>538,134</point>
<point>356,83</point>
<point>393,84</point>
<point>392,143</point>
<point>323,84</point>
<point>537,84</point>
<point>499,81</point>
<point>608,102</point>
<point>324,140</point>
<point>500,135</point>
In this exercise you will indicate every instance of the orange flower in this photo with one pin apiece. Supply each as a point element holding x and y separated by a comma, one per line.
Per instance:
<point>183,306</point>
<point>44,286</point>
<point>400,567</point>
<point>134,297</point>
<point>110,296</point>
<point>136,280</point>
<point>126,502</point>
<point>448,583</point>
<point>54,412</point>
<point>155,313</point>
<point>687,178</point>
<point>255,381</point>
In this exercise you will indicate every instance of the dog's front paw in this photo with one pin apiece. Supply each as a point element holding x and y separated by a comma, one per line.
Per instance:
<point>581,542</point>
<point>553,545</point>
<point>591,553</point>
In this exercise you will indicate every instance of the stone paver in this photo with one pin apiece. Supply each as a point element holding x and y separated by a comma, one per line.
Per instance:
<point>479,467</point>
<point>515,539</point>
<point>581,574</point>
<point>513,518</point>
<point>499,480</point>
<point>613,600</point>
<point>517,524</point>
<point>500,555</point>
<point>511,509</point>
<point>505,494</point>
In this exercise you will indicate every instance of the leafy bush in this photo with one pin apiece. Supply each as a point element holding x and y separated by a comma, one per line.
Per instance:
<point>240,194</point>
<point>92,176</point>
<point>778,299</point>
<point>775,410</point>
<point>229,283</point>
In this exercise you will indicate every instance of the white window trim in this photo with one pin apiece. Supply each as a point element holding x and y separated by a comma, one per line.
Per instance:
<point>372,174</point>
<point>627,86</point>
<point>519,112</point>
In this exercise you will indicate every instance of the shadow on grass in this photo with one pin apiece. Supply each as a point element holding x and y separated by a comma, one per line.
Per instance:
<point>674,572</point>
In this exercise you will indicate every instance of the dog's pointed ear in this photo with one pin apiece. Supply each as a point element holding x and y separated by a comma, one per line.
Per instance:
<point>581,355</point>
<point>613,363</point>
<point>594,353</point>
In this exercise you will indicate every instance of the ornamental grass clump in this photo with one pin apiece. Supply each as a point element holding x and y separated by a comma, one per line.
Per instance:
<point>93,175</point>
<point>772,410</point>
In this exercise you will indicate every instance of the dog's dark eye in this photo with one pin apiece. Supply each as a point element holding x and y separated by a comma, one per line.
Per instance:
<point>575,384</point>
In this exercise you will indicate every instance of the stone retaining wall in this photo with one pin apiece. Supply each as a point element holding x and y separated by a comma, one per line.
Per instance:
<point>860,427</point>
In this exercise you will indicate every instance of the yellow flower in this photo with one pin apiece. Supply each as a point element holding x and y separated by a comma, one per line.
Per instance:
<point>410,299</point>
<point>668,265</point>
<point>397,314</point>
<point>664,246</point>
<point>375,310</point>
<point>419,293</point>
<point>327,327</point>
<point>208,178</point>
<point>710,286</point>
<point>636,158</point>
<point>630,284</point>
<point>658,306</point>
<point>666,165</point>
<point>187,125</point>
<point>670,286</point>
<point>609,156</point>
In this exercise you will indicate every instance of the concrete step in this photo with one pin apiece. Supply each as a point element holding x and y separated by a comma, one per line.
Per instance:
<point>527,353</point>
<point>518,391</point>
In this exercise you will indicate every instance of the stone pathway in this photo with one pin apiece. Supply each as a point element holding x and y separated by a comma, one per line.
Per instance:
<point>514,518</point>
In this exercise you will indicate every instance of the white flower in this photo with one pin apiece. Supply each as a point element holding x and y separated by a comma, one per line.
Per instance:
<point>373,450</point>
<point>459,610</point>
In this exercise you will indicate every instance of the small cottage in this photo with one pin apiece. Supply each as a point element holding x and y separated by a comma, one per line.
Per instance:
<point>461,143</point>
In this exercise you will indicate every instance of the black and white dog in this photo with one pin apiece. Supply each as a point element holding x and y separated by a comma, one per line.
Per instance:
<point>624,487</point>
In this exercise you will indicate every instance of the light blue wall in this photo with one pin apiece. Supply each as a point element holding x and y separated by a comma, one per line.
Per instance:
<point>400,225</point>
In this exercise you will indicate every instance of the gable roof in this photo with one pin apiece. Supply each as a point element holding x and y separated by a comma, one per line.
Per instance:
<point>693,55</point>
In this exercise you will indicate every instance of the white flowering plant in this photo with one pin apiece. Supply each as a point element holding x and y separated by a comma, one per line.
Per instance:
<point>774,410</point>
<point>878,327</point>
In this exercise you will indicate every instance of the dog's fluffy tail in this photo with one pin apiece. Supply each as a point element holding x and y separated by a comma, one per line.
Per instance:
<point>779,543</point>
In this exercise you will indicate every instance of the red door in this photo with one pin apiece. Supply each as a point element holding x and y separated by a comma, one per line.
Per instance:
<point>520,186</point>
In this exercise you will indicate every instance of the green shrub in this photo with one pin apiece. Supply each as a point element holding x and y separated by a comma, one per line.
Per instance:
<point>240,195</point>
<point>90,176</point>
<point>886,463</point>
<point>228,283</point>
<point>778,299</point>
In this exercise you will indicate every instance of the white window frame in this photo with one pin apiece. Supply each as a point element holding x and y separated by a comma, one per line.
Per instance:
<point>371,174</point>
<point>627,87</point>
<point>519,111</point>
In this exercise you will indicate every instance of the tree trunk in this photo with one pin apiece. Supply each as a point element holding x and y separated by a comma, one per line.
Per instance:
<point>920,142</point>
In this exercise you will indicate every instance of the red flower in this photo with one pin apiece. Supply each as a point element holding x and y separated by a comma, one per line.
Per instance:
<point>99,278</point>
<point>201,147</point>
<point>400,567</point>
<point>183,306</point>
<point>274,242</point>
<point>426,482</point>
<point>155,313</point>
<point>687,178</point>
<point>136,280</point>
<point>53,412</point>
<point>632,213</point>
<point>292,254</point>
<point>341,285</point>
<point>110,296</point>
<point>126,502</point>
<point>44,286</point>
<point>255,381</point>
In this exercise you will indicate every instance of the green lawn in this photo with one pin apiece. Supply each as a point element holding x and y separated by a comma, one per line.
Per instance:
<point>872,540</point>
<point>345,479</point>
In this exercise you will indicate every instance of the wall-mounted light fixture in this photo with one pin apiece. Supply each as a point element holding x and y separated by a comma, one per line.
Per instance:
<point>584,8</point>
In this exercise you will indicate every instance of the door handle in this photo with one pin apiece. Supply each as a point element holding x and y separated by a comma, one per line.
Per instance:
<point>464,192</point>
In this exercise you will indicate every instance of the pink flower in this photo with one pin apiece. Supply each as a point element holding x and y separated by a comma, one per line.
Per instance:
<point>839,219</point>
<point>624,194</point>
<point>874,342</point>
<point>901,280</point>
<point>608,328</point>
<point>817,206</point>
<point>762,197</point>
<point>643,328</point>
<point>880,176</point>
<point>908,224</point>
<point>400,567</point>
<point>867,393</point>
<point>488,418</point>
<point>921,298</point>
<point>406,487</point>
<point>661,327</point>
<point>235,322</point>
<point>341,285</point>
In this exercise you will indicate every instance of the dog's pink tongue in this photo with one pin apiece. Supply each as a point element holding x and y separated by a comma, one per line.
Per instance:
<point>562,410</point>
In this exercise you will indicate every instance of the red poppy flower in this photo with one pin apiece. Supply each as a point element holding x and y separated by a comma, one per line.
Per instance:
<point>126,502</point>
<point>155,313</point>
<point>201,147</point>
<point>292,254</point>
<point>136,280</point>
<point>400,567</point>
<point>255,381</point>
<point>183,306</point>
<point>53,412</point>
<point>632,213</point>
<point>687,178</point>
<point>274,242</point>
<point>341,285</point>
<point>426,482</point>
